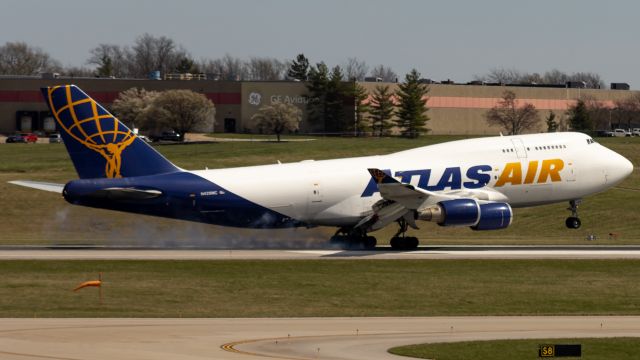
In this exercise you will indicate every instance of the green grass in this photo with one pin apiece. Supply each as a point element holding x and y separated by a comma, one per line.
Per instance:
<point>31,217</point>
<point>321,288</point>
<point>592,349</point>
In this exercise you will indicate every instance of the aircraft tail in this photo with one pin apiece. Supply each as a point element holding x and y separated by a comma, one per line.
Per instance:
<point>99,145</point>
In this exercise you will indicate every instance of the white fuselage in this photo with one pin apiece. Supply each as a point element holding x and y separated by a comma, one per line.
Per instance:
<point>523,170</point>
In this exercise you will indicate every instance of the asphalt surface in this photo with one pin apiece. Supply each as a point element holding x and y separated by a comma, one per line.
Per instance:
<point>428,252</point>
<point>289,338</point>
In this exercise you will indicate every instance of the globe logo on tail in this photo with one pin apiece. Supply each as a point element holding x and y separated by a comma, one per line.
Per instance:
<point>91,125</point>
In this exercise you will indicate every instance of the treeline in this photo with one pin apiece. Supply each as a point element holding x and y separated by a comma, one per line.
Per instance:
<point>551,77</point>
<point>159,53</point>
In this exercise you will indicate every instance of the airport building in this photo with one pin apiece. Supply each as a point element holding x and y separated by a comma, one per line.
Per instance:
<point>453,108</point>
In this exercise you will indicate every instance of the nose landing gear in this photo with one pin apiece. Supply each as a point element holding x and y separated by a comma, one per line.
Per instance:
<point>573,222</point>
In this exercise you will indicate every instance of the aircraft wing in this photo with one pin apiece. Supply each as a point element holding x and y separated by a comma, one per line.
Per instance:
<point>401,200</point>
<point>46,186</point>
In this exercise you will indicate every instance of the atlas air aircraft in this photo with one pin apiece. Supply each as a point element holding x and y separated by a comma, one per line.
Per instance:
<point>473,183</point>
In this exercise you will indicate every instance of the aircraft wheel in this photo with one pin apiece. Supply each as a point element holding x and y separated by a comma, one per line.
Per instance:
<point>404,243</point>
<point>369,242</point>
<point>573,222</point>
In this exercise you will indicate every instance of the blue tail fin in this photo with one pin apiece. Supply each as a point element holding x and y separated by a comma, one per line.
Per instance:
<point>100,146</point>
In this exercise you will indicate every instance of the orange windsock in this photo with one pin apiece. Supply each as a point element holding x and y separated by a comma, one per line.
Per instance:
<point>97,283</point>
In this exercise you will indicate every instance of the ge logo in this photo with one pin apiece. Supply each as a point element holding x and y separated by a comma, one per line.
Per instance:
<point>255,98</point>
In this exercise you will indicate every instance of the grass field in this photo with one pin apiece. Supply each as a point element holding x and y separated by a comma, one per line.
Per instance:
<point>321,288</point>
<point>592,349</point>
<point>34,217</point>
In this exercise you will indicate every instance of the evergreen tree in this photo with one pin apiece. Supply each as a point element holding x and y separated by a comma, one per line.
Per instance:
<point>552,125</point>
<point>317,93</point>
<point>299,68</point>
<point>579,117</point>
<point>106,67</point>
<point>412,106</point>
<point>187,65</point>
<point>335,121</point>
<point>362,108</point>
<point>382,108</point>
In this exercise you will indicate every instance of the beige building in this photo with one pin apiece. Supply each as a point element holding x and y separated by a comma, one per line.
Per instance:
<point>453,109</point>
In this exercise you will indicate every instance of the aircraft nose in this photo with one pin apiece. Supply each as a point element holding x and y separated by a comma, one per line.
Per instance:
<point>619,168</point>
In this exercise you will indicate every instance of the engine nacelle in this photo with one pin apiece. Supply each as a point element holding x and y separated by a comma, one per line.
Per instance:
<point>459,212</point>
<point>494,216</point>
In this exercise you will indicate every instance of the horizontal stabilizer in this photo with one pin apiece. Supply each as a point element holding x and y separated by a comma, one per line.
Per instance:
<point>46,186</point>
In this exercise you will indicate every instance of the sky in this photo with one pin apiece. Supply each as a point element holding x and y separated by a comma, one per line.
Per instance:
<point>441,39</point>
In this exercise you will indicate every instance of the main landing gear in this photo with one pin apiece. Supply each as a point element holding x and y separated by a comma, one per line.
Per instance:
<point>353,239</point>
<point>573,221</point>
<point>401,242</point>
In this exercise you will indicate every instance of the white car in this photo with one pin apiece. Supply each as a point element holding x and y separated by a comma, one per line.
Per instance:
<point>635,132</point>
<point>621,133</point>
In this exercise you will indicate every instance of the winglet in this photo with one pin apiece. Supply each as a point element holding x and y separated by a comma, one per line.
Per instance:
<point>383,178</point>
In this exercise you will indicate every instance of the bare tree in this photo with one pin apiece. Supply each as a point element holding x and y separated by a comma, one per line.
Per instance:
<point>513,118</point>
<point>77,71</point>
<point>152,53</point>
<point>501,76</point>
<point>627,111</point>
<point>278,118</point>
<point>118,58</point>
<point>265,69</point>
<point>599,114</point>
<point>18,58</point>
<point>226,68</point>
<point>385,73</point>
<point>355,69</point>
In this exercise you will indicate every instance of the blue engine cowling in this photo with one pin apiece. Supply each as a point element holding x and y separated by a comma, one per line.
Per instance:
<point>494,216</point>
<point>459,212</point>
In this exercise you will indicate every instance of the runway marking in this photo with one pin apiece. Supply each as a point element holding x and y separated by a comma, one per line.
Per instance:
<point>230,347</point>
<point>36,356</point>
<point>316,252</point>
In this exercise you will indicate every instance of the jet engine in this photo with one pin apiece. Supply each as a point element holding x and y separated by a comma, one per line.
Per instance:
<point>468,212</point>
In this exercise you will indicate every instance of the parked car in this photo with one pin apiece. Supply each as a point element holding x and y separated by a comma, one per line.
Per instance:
<point>55,139</point>
<point>635,132</point>
<point>29,137</point>
<point>144,138</point>
<point>167,136</point>
<point>604,133</point>
<point>15,139</point>
<point>621,133</point>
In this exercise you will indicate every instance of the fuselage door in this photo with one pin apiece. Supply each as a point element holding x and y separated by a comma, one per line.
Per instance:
<point>521,151</point>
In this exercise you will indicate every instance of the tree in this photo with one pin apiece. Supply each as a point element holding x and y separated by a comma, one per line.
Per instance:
<point>186,65</point>
<point>412,106</point>
<point>105,69</point>
<point>265,69</point>
<point>382,109</point>
<point>18,58</point>
<point>317,92</point>
<point>362,108</point>
<point>150,53</point>
<point>335,103</point>
<point>578,116</point>
<point>277,118</point>
<point>385,73</point>
<point>510,116</point>
<point>355,70</point>
<point>183,111</point>
<point>120,60</point>
<point>299,68</point>
<point>133,107</point>
<point>552,125</point>
<point>226,68</point>
<point>627,110</point>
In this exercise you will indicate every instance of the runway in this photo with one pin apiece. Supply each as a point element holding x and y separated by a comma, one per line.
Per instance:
<point>288,338</point>
<point>424,253</point>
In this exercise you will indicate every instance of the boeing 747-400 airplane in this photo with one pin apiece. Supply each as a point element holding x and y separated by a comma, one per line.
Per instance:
<point>472,183</point>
